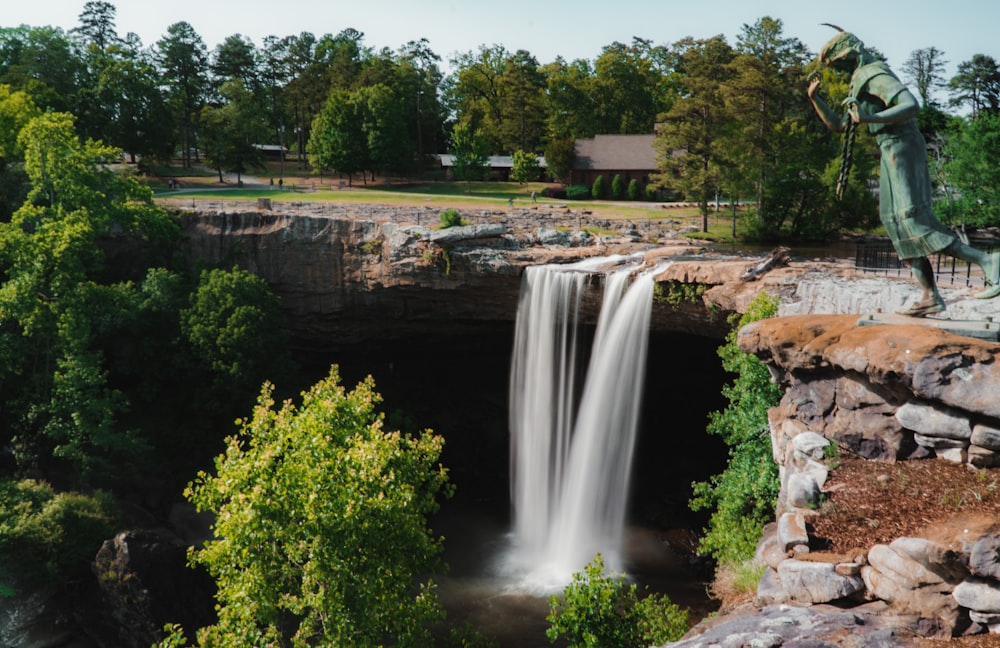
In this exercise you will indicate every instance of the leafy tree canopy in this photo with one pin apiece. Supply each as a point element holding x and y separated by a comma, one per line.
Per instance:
<point>525,167</point>
<point>321,525</point>
<point>973,169</point>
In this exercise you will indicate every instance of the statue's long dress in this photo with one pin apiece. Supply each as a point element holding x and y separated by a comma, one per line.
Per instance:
<point>904,182</point>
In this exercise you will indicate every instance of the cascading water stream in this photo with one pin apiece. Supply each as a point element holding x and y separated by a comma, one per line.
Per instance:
<point>571,449</point>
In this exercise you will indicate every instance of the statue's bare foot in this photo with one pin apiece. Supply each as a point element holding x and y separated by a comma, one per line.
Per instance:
<point>992,271</point>
<point>924,308</point>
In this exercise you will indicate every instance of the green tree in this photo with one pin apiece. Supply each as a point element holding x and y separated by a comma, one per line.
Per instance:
<point>16,110</point>
<point>631,86</point>
<point>47,537</point>
<point>344,57</point>
<point>560,154</point>
<point>422,76</point>
<point>233,326</point>
<point>977,85</point>
<point>572,108</point>
<point>691,141</point>
<point>387,141</point>
<point>632,191</point>
<point>471,153</point>
<point>321,525</point>
<point>97,24</point>
<point>124,106</point>
<point>524,167</point>
<point>743,496</point>
<point>337,140</point>
<point>476,93</point>
<point>617,187</point>
<point>764,96</point>
<point>597,190</point>
<point>60,302</point>
<point>522,104</point>
<point>44,63</point>
<point>924,69</point>
<point>598,610</point>
<point>235,59</point>
<point>229,133</point>
<point>973,169</point>
<point>308,83</point>
<point>183,61</point>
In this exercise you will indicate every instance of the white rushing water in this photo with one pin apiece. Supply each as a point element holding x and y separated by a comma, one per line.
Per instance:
<point>572,439</point>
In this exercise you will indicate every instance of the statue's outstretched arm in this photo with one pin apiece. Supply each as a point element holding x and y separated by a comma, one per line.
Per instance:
<point>834,122</point>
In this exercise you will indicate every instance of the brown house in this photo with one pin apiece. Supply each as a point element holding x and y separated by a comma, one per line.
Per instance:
<point>631,156</point>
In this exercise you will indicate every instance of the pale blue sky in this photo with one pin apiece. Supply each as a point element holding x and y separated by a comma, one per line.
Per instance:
<point>549,28</point>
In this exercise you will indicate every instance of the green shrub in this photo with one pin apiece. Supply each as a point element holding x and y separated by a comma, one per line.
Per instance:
<point>597,190</point>
<point>675,293</point>
<point>372,246</point>
<point>450,217</point>
<point>578,192</point>
<point>617,187</point>
<point>46,536</point>
<point>650,193</point>
<point>742,497</point>
<point>597,610</point>
<point>632,191</point>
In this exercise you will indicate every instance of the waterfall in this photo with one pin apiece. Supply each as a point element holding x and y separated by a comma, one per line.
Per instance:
<point>571,446</point>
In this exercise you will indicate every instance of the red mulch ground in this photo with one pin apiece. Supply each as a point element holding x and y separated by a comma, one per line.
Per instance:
<point>871,503</point>
<point>874,503</point>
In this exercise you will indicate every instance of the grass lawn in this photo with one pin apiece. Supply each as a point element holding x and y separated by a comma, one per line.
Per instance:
<point>297,186</point>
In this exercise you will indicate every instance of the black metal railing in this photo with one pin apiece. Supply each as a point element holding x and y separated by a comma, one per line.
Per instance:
<point>879,257</point>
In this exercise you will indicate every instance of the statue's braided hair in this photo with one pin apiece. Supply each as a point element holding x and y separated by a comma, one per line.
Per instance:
<point>840,46</point>
<point>846,157</point>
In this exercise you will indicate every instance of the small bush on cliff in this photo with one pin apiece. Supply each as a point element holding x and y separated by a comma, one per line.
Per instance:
<point>450,217</point>
<point>742,497</point>
<point>599,610</point>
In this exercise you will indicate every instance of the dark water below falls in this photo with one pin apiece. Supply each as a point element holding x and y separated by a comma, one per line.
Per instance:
<point>480,593</point>
<point>458,386</point>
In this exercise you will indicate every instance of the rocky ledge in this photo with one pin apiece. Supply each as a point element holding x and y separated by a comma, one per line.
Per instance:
<point>347,274</point>
<point>350,272</point>
<point>900,391</point>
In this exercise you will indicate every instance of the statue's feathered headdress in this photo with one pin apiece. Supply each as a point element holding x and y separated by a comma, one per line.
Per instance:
<point>839,46</point>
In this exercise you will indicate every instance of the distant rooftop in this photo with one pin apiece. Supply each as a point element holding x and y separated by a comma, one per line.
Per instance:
<point>495,161</point>
<point>616,152</point>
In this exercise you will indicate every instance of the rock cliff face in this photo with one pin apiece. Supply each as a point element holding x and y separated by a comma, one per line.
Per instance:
<point>347,276</point>
<point>346,273</point>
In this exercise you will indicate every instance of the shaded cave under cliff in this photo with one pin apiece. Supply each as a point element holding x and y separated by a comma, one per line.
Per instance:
<point>456,383</point>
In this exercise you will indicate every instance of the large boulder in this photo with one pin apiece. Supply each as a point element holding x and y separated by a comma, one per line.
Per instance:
<point>789,625</point>
<point>813,582</point>
<point>144,583</point>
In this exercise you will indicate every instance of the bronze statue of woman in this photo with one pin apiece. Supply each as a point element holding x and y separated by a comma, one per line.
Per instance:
<point>876,97</point>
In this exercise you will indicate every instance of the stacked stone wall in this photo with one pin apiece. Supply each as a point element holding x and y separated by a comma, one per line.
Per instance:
<point>923,396</point>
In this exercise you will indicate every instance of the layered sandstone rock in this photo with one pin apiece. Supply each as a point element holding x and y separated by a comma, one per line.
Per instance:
<point>889,392</point>
<point>346,275</point>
